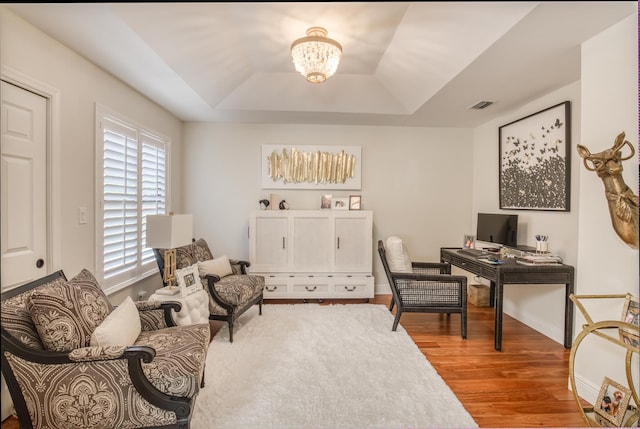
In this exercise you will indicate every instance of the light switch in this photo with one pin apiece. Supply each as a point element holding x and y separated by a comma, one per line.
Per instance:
<point>82,215</point>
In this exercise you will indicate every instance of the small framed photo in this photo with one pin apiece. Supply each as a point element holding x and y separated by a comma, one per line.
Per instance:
<point>325,202</point>
<point>630,315</point>
<point>612,402</point>
<point>355,202</point>
<point>188,280</point>
<point>341,203</point>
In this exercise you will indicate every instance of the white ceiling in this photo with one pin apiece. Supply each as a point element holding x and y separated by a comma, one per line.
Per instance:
<point>404,63</point>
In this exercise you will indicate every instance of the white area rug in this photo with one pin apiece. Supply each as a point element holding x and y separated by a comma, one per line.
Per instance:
<point>319,367</point>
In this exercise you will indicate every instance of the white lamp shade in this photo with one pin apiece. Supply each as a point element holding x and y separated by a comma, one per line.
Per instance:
<point>169,231</point>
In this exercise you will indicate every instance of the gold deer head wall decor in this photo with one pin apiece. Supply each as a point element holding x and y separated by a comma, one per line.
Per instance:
<point>623,203</point>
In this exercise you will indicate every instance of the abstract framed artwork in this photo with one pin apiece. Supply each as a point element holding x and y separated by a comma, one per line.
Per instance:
<point>311,167</point>
<point>535,161</point>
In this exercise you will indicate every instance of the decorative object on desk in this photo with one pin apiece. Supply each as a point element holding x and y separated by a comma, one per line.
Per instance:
<point>325,202</point>
<point>534,168</point>
<point>539,259</point>
<point>623,203</point>
<point>283,205</point>
<point>630,315</point>
<point>311,167</point>
<point>542,243</point>
<point>355,202</point>
<point>469,241</point>
<point>612,401</point>
<point>264,204</point>
<point>168,232</point>
<point>340,203</point>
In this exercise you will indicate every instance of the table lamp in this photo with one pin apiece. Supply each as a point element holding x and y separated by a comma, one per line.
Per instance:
<point>168,232</point>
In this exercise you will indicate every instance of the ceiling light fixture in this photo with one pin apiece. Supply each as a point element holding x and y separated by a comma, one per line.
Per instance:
<point>316,56</point>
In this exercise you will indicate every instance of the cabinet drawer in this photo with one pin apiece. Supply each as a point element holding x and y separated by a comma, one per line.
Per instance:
<point>275,290</point>
<point>275,286</point>
<point>353,287</point>
<point>310,286</point>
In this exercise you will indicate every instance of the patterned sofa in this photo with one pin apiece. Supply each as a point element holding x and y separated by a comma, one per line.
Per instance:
<point>59,379</point>
<point>230,295</point>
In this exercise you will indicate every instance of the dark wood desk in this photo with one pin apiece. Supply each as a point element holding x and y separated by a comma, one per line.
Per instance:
<point>511,272</point>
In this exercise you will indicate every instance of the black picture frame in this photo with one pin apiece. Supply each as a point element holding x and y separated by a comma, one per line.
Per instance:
<point>535,161</point>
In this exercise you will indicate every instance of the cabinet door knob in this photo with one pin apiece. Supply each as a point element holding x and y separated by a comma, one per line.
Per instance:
<point>283,242</point>
<point>40,263</point>
<point>338,242</point>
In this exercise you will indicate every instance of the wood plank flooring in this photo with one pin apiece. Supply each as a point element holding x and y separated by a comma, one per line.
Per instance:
<point>524,385</point>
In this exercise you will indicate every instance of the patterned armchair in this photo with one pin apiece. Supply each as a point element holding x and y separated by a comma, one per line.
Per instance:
<point>231,292</point>
<point>58,380</point>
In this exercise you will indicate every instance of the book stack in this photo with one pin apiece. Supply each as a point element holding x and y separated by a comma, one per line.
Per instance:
<point>537,259</point>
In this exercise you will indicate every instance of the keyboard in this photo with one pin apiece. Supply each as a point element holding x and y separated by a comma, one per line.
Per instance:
<point>473,252</point>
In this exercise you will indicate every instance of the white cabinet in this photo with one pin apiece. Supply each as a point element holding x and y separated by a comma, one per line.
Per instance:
<point>313,253</point>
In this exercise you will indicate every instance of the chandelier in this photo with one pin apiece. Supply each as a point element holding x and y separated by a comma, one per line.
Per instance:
<point>316,56</point>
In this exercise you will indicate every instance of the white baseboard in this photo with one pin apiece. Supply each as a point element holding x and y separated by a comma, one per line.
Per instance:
<point>382,289</point>
<point>586,390</point>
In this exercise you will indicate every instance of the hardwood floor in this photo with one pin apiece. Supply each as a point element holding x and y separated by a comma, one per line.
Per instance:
<point>524,385</point>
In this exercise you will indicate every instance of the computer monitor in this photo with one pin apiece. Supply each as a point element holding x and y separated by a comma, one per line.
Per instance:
<point>498,228</point>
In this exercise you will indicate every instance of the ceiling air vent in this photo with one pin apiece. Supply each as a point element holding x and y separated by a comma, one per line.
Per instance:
<point>481,105</point>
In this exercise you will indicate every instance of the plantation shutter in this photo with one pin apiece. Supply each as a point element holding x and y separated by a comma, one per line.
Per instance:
<point>153,186</point>
<point>133,186</point>
<point>120,196</point>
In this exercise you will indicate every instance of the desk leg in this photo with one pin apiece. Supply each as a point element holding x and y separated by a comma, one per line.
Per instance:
<point>492,294</point>
<point>498,317</point>
<point>568,316</point>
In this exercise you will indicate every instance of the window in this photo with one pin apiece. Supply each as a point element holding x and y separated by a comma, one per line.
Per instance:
<point>132,175</point>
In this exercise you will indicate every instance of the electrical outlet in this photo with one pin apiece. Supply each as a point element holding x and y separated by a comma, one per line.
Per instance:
<point>82,215</point>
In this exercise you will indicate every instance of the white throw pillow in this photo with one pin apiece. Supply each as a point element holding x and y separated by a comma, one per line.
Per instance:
<point>121,327</point>
<point>219,266</point>
<point>397,255</point>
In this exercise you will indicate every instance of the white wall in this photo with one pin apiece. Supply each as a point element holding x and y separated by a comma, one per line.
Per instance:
<point>27,51</point>
<point>417,182</point>
<point>539,306</point>
<point>606,265</point>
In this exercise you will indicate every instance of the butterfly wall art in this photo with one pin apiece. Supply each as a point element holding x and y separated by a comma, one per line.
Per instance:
<point>534,161</point>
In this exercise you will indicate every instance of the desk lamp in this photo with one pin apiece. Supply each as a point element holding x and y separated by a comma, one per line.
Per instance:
<point>168,232</point>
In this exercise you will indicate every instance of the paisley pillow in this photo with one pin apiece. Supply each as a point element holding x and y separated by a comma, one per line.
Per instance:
<point>66,315</point>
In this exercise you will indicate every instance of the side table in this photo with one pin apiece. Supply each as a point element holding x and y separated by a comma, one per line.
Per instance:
<point>195,307</point>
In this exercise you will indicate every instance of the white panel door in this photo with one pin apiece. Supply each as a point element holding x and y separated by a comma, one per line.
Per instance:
<point>311,242</point>
<point>24,186</point>
<point>270,250</point>
<point>353,243</point>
